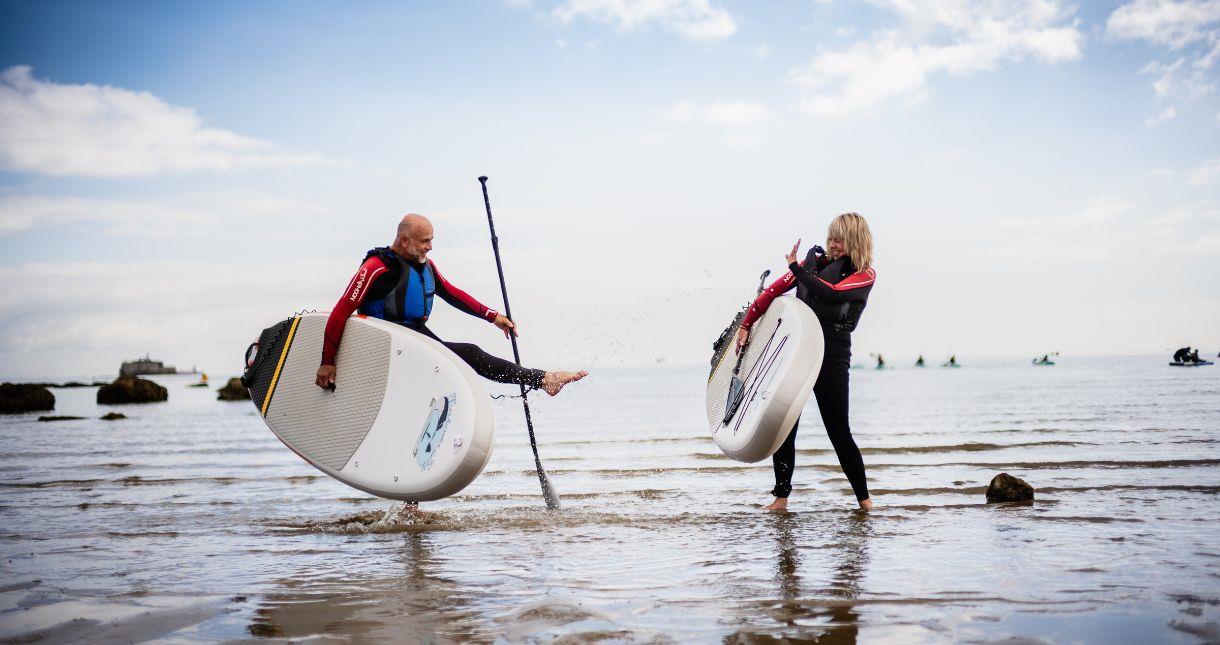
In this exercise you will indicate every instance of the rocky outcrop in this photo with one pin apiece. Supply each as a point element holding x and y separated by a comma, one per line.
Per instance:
<point>1006,488</point>
<point>59,418</point>
<point>131,389</point>
<point>25,397</point>
<point>113,416</point>
<point>233,391</point>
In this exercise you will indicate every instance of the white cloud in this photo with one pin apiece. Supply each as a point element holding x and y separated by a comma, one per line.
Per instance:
<point>1164,22</point>
<point>181,216</point>
<point>1097,212</point>
<point>955,37</point>
<point>106,131</point>
<point>696,20</point>
<point>725,114</point>
<point>1188,27</point>
<point>1204,173</point>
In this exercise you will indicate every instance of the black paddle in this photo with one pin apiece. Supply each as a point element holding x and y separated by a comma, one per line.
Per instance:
<point>548,493</point>
<point>737,388</point>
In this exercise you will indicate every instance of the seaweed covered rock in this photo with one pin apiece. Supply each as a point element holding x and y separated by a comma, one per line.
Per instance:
<point>233,391</point>
<point>1006,488</point>
<point>131,389</point>
<point>113,416</point>
<point>25,397</point>
<point>59,418</point>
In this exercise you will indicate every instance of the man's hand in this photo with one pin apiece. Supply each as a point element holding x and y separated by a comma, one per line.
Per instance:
<point>326,376</point>
<point>791,257</point>
<point>743,335</point>
<point>507,326</point>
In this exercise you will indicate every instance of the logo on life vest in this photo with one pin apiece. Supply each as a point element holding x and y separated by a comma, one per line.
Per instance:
<point>364,272</point>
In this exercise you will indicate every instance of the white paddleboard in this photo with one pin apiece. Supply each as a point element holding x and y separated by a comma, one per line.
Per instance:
<point>407,419</point>
<point>777,374</point>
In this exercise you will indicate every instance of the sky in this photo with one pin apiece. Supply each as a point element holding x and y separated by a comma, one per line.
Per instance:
<point>1038,176</point>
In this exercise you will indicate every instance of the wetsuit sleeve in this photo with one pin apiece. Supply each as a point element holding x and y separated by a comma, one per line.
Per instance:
<point>461,300</point>
<point>763,301</point>
<point>852,288</point>
<point>372,269</point>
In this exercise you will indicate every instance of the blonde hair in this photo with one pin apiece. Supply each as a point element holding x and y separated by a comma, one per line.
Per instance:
<point>852,228</point>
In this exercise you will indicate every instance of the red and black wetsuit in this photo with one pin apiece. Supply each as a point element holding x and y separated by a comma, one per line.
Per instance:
<point>379,276</point>
<point>837,293</point>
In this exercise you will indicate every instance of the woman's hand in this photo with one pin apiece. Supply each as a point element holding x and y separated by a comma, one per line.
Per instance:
<point>743,335</point>
<point>791,257</point>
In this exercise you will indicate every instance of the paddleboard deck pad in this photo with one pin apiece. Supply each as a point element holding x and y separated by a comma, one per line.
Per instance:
<point>406,419</point>
<point>752,407</point>
<point>1189,363</point>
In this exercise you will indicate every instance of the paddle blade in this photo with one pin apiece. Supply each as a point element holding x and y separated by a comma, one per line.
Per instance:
<point>548,492</point>
<point>737,390</point>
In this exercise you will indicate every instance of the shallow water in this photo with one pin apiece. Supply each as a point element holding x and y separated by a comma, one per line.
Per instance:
<point>190,521</point>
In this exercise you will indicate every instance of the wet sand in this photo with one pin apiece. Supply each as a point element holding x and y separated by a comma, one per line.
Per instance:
<point>189,521</point>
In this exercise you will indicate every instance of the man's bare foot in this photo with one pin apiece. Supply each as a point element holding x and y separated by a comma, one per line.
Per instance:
<point>553,382</point>
<point>866,504</point>
<point>780,504</point>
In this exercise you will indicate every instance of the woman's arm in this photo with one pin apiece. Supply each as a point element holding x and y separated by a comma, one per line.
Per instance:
<point>851,288</point>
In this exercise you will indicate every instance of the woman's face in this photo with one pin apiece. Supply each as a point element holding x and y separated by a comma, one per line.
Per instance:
<point>835,247</point>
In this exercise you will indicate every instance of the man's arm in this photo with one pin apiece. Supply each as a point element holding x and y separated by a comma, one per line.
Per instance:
<point>372,269</point>
<point>459,299</point>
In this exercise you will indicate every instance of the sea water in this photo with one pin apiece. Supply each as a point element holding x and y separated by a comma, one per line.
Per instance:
<point>190,521</point>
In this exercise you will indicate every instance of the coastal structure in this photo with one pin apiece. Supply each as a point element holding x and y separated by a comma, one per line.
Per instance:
<point>146,365</point>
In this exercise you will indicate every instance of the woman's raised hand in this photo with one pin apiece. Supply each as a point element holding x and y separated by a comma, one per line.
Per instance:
<point>791,257</point>
<point>743,335</point>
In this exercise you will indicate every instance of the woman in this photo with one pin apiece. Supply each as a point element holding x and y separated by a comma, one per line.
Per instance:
<point>835,284</point>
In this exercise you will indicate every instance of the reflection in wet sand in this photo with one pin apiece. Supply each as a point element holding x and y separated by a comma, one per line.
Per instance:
<point>419,605</point>
<point>801,612</point>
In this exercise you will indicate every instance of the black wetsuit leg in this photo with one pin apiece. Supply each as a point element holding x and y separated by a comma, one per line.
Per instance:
<point>783,462</point>
<point>831,393</point>
<point>486,365</point>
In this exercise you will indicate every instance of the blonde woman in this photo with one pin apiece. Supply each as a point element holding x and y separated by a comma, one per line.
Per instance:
<point>835,283</point>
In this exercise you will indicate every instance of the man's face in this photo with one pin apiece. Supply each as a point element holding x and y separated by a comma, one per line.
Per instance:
<point>418,241</point>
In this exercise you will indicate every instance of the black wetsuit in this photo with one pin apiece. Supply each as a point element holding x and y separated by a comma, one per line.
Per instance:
<point>837,294</point>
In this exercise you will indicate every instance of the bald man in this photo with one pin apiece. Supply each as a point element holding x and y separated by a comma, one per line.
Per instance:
<point>397,283</point>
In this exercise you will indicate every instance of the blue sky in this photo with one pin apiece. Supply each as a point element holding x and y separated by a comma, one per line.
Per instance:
<point>1039,176</point>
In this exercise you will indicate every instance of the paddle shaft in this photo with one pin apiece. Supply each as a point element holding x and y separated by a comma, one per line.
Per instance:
<point>548,493</point>
<point>762,281</point>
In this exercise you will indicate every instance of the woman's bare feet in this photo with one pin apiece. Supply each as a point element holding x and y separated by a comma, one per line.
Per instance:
<point>553,382</point>
<point>866,504</point>
<point>780,504</point>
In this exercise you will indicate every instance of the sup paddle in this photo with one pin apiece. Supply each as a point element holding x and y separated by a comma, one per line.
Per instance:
<point>737,388</point>
<point>548,493</point>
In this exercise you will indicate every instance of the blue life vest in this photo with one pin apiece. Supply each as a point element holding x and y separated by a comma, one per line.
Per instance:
<point>409,302</point>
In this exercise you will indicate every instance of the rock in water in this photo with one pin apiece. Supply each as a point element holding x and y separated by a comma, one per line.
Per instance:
<point>233,391</point>
<point>1006,488</point>
<point>58,418</point>
<point>113,416</point>
<point>131,389</point>
<point>24,397</point>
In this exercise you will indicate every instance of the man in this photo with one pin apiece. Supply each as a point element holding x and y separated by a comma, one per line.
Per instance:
<point>396,283</point>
